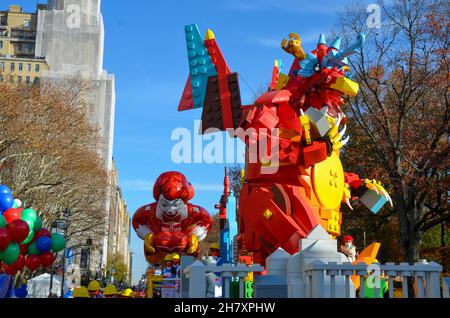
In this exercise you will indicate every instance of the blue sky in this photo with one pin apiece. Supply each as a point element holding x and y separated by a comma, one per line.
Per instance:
<point>145,49</point>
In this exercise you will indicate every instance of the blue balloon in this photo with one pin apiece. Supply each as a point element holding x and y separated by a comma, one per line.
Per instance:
<point>4,189</point>
<point>6,202</point>
<point>43,244</point>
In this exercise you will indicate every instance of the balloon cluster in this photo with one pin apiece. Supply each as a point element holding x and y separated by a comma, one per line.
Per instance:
<point>23,241</point>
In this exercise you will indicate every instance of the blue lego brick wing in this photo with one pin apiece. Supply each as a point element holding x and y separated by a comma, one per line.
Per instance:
<point>200,64</point>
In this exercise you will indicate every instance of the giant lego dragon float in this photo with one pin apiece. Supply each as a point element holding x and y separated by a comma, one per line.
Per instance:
<point>278,207</point>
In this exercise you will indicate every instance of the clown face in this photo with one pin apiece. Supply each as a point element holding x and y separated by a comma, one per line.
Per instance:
<point>171,209</point>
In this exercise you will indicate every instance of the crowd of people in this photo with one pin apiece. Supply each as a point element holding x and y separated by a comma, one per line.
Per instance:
<point>94,290</point>
<point>165,281</point>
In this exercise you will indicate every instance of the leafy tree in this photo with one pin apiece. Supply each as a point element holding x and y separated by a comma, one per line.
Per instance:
<point>401,114</point>
<point>117,268</point>
<point>213,236</point>
<point>49,154</point>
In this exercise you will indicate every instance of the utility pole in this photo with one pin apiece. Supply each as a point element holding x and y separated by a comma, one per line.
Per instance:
<point>66,226</point>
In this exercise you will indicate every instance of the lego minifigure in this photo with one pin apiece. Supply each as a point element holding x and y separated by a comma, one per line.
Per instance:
<point>349,249</point>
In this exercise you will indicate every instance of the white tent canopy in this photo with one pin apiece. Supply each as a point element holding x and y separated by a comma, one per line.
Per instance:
<point>39,287</point>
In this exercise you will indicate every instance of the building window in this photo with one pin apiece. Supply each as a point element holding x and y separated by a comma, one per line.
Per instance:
<point>28,79</point>
<point>19,79</point>
<point>13,66</point>
<point>30,47</point>
<point>2,66</point>
<point>1,44</point>
<point>36,80</point>
<point>20,66</point>
<point>20,47</point>
<point>1,78</point>
<point>28,67</point>
<point>37,68</point>
<point>27,24</point>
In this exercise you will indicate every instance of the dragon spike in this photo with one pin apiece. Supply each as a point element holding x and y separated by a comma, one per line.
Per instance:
<point>347,202</point>
<point>345,141</point>
<point>302,112</point>
<point>352,49</point>
<point>338,137</point>
<point>390,201</point>
<point>342,132</point>
<point>322,39</point>
<point>387,197</point>
<point>336,44</point>
<point>371,186</point>
<point>338,121</point>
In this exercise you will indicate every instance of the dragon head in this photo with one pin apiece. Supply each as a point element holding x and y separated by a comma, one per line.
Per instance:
<point>322,78</point>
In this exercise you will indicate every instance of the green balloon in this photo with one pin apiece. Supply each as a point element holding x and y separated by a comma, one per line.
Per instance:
<point>32,250</point>
<point>30,223</point>
<point>29,214</point>
<point>11,254</point>
<point>29,238</point>
<point>58,242</point>
<point>37,224</point>
<point>2,221</point>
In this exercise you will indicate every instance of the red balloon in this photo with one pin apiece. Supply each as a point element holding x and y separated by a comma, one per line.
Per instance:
<point>33,262</point>
<point>47,259</point>
<point>42,232</point>
<point>24,249</point>
<point>18,231</point>
<point>10,270</point>
<point>12,214</point>
<point>20,263</point>
<point>4,239</point>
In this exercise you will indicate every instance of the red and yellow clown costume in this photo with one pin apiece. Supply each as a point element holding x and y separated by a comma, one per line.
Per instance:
<point>171,225</point>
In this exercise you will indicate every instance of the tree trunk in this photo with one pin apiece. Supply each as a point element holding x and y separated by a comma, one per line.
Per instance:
<point>412,247</point>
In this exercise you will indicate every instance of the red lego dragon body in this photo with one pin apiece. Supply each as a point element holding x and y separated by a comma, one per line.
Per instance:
<point>282,200</point>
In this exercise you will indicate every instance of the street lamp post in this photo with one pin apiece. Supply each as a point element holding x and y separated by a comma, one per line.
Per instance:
<point>54,228</point>
<point>66,225</point>
<point>89,245</point>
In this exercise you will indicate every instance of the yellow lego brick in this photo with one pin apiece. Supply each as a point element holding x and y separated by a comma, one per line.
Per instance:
<point>267,214</point>
<point>282,81</point>
<point>328,182</point>
<point>209,35</point>
<point>304,121</point>
<point>325,213</point>
<point>346,86</point>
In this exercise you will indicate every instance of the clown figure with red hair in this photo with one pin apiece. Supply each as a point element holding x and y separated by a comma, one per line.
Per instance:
<point>171,224</point>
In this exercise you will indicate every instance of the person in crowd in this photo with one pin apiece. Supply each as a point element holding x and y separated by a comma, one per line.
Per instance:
<point>81,292</point>
<point>127,293</point>
<point>95,290</point>
<point>110,291</point>
<point>348,249</point>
